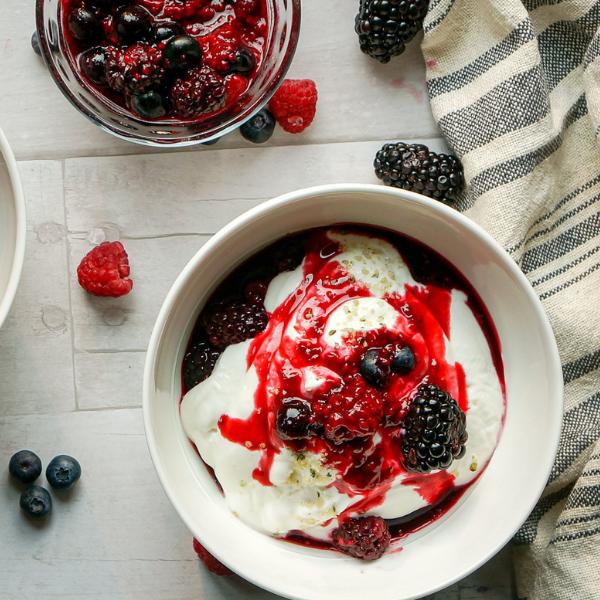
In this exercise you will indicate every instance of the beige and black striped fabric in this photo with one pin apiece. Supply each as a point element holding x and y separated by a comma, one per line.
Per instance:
<point>515,88</point>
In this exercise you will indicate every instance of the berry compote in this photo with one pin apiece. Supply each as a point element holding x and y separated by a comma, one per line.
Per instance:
<point>176,60</point>
<point>346,387</point>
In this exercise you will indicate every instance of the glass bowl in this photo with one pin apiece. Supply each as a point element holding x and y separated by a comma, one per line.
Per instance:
<point>283,24</point>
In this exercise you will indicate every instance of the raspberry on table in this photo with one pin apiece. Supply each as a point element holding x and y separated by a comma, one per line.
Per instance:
<point>136,69</point>
<point>212,564</point>
<point>415,168</point>
<point>362,537</point>
<point>434,430</point>
<point>104,270</point>
<point>294,104</point>
<point>234,322</point>
<point>384,27</point>
<point>199,91</point>
<point>25,466</point>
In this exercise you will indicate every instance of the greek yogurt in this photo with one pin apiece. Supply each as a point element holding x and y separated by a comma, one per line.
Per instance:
<point>353,291</point>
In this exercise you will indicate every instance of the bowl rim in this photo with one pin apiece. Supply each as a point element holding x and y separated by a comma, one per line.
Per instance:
<point>546,334</point>
<point>123,134</point>
<point>20,227</point>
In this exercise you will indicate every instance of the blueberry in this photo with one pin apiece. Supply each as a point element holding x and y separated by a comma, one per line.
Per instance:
<point>165,30</point>
<point>25,466</point>
<point>133,24</point>
<point>84,25</point>
<point>244,62</point>
<point>63,472</point>
<point>372,368</point>
<point>35,43</point>
<point>92,63</point>
<point>182,52</point>
<point>36,501</point>
<point>294,419</point>
<point>258,128</point>
<point>148,105</point>
<point>403,361</point>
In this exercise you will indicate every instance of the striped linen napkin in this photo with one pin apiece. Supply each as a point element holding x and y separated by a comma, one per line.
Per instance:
<point>515,88</point>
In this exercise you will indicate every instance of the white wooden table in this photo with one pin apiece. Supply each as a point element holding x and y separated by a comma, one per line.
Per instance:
<point>71,364</point>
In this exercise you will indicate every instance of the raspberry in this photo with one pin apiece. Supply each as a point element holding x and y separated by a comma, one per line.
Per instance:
<point>354,411</point>
<point>384,28</point>
<point>199,91</point>
<point>434,432</point>
<point>362,537</point>
<point>212,564</point>
<point>198,363</point>
<point>104,270</point>
<point>294,104</point>
<point>416,168</point>
<point>244,7</point>
<point>134,70</point>
<point>234,322</point>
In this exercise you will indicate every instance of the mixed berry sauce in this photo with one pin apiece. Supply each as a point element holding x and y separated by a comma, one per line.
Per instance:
<point>167,59</point>
<point>355,420</point>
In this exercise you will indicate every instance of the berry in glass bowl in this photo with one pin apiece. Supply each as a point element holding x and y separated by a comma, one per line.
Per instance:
<point>168,72</point>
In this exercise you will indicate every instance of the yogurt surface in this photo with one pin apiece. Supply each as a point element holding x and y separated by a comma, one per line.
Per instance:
<point>352,292</point>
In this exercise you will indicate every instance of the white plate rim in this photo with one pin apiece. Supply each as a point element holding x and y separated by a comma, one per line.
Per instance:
<point>20,227</point>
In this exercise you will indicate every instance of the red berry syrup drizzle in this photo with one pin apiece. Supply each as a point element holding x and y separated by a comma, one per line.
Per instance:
<point>221,27</point>
<point>349,413</point>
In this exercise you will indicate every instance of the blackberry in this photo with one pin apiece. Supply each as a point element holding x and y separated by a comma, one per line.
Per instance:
<point>362,537</point>
<point>434,432</point>
<point>255,291</point>
<point>198,363</point>
<point>295,419</point>
<point>234,322</point>
<point>25,466</point>
<point>135,70</point>
<point>384,27</point>
<point>200,91</point>
<point>416,168</point>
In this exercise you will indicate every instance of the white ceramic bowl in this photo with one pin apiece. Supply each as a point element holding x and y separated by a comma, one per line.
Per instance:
<point>498,504</point>
<point>12,227</point>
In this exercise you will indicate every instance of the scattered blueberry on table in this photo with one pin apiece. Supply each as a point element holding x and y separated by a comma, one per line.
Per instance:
<point>25,466</point>
<point>259,128</point>
<point>63,472</point>
<point>35,501</point>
